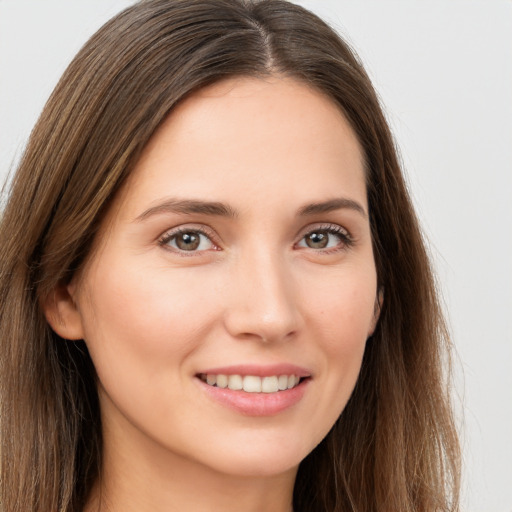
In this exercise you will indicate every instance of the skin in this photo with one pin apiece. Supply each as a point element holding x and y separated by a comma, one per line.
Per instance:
<point>254,291</point>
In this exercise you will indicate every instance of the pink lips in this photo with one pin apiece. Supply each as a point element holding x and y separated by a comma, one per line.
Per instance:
<point>257,404</point>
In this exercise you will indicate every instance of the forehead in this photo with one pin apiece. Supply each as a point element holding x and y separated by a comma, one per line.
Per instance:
<point>272,136</point>
<point>259,111</point>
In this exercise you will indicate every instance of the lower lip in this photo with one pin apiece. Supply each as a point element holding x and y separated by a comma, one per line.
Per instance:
<point>256,404</point>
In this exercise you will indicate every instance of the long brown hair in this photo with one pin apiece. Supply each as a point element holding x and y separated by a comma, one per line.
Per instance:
<point>394,447</point>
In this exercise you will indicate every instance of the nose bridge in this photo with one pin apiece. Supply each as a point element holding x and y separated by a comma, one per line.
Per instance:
<point>263,301</point>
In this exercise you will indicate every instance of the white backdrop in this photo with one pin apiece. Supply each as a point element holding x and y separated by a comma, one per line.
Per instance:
<point>444,72</point>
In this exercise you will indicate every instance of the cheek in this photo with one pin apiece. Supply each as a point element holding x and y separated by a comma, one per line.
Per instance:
<point>140,332</point>
<point>342,313</point>
<point>342,306</point>
<point>346,347</point>
<point>146,307</point>
<point>346,320</point>
<point>138,328</point>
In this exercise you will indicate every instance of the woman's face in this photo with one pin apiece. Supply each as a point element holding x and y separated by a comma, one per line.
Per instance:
<point>238,255</point>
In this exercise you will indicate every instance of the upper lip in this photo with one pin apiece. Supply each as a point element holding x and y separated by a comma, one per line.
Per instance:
<point>259,370</point>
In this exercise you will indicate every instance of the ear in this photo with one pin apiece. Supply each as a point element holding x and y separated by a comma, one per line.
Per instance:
<point>62,313</point>
<point>379,299</point>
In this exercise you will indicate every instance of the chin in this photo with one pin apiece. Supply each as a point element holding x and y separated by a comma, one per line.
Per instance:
<point>267,459</point>
<point>258,467</point>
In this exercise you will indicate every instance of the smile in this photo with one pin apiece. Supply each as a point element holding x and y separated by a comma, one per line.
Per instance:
<point>256,390</point>
<point>252,383</point>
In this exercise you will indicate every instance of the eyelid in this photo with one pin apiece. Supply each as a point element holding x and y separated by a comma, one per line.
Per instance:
<point>326,226</point>
<point>336,229</point>
<point>203,229</point>
<point>346,238</point>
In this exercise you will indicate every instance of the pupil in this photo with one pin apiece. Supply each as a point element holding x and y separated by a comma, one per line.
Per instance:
<point>187,241</point>
<point>317,240</point>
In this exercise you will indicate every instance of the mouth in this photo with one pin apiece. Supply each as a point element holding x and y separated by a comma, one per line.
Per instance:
<point>256,390</point>
<point>252,383</point>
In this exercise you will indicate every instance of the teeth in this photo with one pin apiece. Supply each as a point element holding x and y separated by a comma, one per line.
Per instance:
<point>269,384</point>
<point>252,383</point>
<point>282,382</point>
<point>293,380</point>
<point>235,382</point>
<point>222,381</point>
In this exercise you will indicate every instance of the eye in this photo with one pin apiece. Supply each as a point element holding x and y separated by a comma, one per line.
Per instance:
<point>326,237</point>
<point>187,240</point>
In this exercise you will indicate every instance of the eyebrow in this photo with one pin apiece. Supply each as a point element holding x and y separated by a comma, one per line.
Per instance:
<point>191,206</point>
<point>332,205</point>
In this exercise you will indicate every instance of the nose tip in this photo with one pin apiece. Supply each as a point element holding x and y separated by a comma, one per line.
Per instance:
<point>263,307</point>
<point>269,328</point>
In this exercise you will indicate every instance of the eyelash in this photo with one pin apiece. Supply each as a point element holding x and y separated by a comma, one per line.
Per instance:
<point>164,240</point>
<point>346,240</point>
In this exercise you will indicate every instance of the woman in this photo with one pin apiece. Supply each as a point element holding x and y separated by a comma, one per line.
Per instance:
<point>215,293</point>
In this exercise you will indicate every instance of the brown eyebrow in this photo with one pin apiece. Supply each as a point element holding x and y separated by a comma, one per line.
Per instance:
<point>189,206</point>
<point>331,205</point>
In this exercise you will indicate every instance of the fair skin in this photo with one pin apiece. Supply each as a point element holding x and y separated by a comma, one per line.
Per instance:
<point>274,275</point>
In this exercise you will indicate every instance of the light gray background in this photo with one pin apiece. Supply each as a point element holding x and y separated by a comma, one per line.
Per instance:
<point>444,72</point>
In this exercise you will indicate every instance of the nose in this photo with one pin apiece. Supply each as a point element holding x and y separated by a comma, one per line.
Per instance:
<point>263,301</point>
